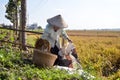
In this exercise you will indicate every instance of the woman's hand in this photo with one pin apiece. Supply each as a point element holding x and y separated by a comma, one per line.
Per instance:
<point>70,41</point>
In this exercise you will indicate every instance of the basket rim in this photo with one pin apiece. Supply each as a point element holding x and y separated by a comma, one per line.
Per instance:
<point>46,52</point>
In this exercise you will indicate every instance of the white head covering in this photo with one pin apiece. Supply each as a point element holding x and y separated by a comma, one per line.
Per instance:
<point>57,21</point>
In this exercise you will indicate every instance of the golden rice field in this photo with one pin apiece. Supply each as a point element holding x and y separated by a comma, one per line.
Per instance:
<point>98,51</point>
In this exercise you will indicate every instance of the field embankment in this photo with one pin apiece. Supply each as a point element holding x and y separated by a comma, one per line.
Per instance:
<point>93,33</point>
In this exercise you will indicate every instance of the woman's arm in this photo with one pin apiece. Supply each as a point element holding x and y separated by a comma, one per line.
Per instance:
<point>65,36</point>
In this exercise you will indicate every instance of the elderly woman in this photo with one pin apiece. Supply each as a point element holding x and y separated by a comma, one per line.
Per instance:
<point>52,33</point>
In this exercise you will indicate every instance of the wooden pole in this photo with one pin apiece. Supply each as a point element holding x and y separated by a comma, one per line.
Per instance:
<point>21,30</point>
<point>23,23</point>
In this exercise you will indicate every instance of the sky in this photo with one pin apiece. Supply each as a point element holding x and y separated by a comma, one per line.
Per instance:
<point>78,14</point>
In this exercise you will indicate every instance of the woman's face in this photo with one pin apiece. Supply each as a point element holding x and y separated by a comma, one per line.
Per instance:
<point>56,28</point>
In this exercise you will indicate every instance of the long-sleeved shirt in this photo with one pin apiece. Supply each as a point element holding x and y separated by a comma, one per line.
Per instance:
<point>52,36</point>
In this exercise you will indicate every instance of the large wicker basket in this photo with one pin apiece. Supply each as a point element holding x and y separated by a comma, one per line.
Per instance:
<point>43,59</point>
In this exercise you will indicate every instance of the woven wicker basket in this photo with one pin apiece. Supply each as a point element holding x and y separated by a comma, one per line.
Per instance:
<point>43,59</point>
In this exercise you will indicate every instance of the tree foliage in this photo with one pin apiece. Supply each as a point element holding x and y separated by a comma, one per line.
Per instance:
<point>12,7</point>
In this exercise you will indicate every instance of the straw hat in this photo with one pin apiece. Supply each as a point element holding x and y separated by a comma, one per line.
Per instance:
<point>57,21</point>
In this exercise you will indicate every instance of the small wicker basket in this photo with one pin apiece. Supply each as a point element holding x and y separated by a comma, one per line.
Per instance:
<point>43,59</point>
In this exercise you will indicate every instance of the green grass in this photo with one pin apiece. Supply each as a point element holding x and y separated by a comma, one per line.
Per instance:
<point>12,67</point>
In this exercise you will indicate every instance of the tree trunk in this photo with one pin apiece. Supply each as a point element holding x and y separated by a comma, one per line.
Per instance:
<point>16,21</point>
<point>20,27</point>
<point>16,25</point>
<point>23,23</point>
